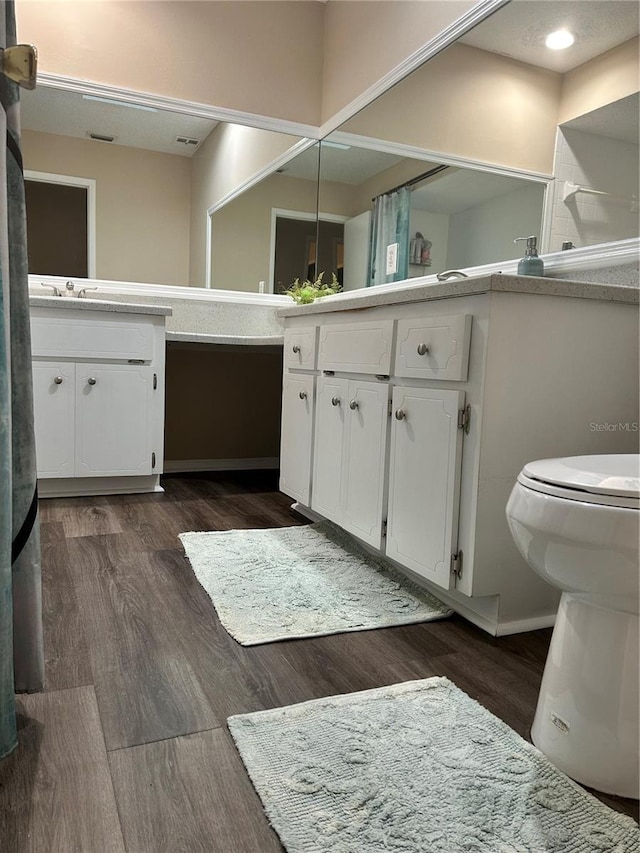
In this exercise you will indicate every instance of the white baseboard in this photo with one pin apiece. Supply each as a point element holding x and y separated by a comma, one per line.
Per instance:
<point>77,487</point>
<point>189,466</point>
<point>486,621</point>
<point>519,626</point>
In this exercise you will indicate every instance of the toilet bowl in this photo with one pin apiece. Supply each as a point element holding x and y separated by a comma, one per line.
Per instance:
<point>576,521</point>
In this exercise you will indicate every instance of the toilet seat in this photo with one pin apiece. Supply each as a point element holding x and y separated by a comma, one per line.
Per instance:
<point>612,480</point>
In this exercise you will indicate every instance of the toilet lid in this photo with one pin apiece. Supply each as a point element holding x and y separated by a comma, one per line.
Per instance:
<point>616,475</point>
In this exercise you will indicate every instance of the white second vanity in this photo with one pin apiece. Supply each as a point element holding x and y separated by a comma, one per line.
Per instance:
<point>98,388</point>
<point>408,414</point>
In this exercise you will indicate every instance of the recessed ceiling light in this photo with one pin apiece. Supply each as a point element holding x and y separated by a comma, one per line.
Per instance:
<point>559,40</point>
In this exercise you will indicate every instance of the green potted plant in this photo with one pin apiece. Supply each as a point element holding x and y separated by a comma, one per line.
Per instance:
<point>305,292</point>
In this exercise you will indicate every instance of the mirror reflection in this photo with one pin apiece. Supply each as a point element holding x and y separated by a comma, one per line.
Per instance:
<point>434,216</point>
<point>121,191</point>
<point>507,116</point>
<point>495,137</point>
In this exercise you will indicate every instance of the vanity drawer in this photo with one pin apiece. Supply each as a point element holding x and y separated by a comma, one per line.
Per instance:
<point>78,334</point>
<point>300,347</point>
<point>434,347</point>
<point>356,347</point>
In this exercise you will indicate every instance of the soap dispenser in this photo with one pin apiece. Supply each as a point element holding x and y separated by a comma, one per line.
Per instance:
<point>532,263</point>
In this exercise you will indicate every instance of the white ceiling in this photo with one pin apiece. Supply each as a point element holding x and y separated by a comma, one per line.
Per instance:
<point>455,190</point>
<point>620,120</point>
<point>346,166</point>
<point>67,113</point>
<point>519,29</point>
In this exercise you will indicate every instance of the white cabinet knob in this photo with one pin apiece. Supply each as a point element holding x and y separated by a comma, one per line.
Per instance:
<point>423,349</point>
<point>353,405</point>
<point>335,401</point>
<point>58,380</point>
<point>400,414</point>
<point>91,380</point>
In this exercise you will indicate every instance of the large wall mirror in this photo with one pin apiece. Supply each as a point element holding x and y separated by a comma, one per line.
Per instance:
<point>122,191</point>
<point>495,138</point>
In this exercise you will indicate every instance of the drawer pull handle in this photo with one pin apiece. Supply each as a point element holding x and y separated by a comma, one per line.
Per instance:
<point>302,395</point>
<point>58,380</point>
<point>353,405</point>
<point>91,380</point>
<point>296,348</point>
<point>335,401</point>
<point>400,414</point>
<point>423,349</point>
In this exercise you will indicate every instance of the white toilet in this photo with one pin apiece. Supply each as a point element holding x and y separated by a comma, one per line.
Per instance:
<point>576,522</point>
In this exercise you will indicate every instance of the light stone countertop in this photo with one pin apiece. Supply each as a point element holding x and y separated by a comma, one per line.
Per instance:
<point>70,302</point>
<point>390,294</point>
<point>232,340</point>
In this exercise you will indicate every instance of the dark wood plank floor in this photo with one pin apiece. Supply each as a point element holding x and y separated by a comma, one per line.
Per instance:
<point>127,749</point>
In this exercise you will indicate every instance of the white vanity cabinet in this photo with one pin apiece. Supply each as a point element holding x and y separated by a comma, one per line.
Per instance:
<point>298,408</point>
<point>424,481</point>
<point>349,455</point>
<point>453,394</point>
<point>98,383</point>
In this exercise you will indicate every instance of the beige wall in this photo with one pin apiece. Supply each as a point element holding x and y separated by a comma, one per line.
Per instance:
<point>142,204</point>
<point>366,39</point>
<point>601,81</point>
<point>215,399</point>
<point>473,104</point>
<point>238,55</point>
<point>241,231</point>
<point>229,156</point>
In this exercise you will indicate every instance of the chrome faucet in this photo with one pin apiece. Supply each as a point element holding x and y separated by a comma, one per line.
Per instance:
<point>56,292</point>
<point>447,274</point>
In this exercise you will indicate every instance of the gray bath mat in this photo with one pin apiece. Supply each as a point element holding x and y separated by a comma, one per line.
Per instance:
<point>418,767</point>
<point>308,581</point>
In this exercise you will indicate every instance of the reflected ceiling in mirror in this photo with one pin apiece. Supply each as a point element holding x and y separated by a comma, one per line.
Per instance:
<point>455,217</point>
<point>153,174</point>
<point>498,101</point>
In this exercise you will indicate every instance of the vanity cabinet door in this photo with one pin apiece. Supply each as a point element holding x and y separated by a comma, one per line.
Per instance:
<point>54,415</point>
<point>331,409</point>
<point>424,481</point>
<point>364,460</point>
<point>113,435</point>
<point>296,436</point>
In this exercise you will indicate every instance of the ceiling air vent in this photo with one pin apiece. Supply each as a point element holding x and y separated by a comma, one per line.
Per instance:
<point>101,137</point>
<point>187,140</point>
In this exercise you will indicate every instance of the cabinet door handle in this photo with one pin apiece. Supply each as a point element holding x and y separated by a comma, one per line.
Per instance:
<point>335,401</point>
<point>302,395</point>
<point>58,380</point>
<point>296,348</point>
<point>91,380</point>
<point>400,414</point>
<point>423,349</point>
<point>353,405</point>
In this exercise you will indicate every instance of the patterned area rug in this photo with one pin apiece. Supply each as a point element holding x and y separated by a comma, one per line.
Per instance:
<point>308,581</point>
<point>418,767</point>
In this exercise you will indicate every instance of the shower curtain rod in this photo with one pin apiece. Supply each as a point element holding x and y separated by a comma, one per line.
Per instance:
<point>413,181</point>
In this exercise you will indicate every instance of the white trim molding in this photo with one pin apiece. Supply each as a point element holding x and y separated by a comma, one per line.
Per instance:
<point>90,185</point>
<point>400,148</point>
<point>176,105</point>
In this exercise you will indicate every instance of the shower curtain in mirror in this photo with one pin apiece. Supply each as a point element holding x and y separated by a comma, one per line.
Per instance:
<point>21,653</point>
<point>389,225</point>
